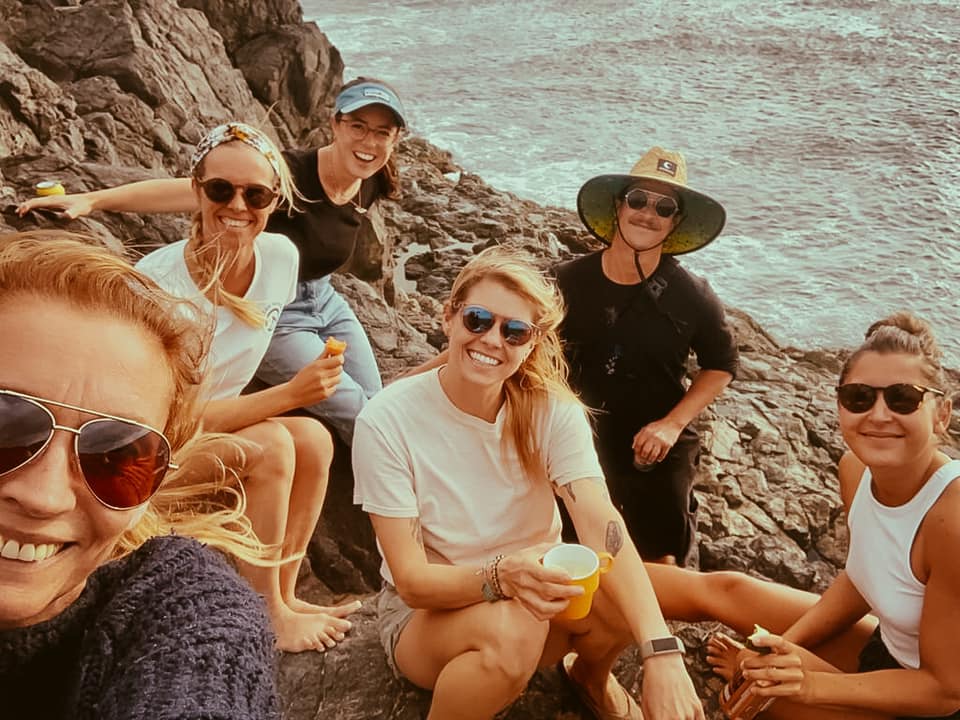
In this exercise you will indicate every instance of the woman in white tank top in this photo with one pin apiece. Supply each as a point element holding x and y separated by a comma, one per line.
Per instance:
<point>882,640</point>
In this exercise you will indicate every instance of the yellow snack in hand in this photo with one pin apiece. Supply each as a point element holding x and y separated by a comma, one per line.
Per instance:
<point>334,346</point>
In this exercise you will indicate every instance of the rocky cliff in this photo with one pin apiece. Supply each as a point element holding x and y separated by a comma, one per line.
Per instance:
<point>99,92</point>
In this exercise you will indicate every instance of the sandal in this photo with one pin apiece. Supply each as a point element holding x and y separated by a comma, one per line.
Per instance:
<point>597,711</point>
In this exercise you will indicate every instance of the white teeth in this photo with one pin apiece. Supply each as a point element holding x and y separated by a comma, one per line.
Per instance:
<point>364,156</point>
<point>485,359</point>
<point>28,552</point>
<point>11,550</point>
<point>234,223</point>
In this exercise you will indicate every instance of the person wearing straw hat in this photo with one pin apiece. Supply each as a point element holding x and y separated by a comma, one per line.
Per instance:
<point>634,316</point>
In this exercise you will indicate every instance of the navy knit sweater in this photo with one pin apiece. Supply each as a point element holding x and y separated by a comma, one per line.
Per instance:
<point>169,632</point>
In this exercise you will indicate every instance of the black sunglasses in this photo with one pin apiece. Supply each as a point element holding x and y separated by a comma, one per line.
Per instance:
<point>223,191</point>
<point>901,398</point>
<point>122,461</point>
<point>664,205</point>
<point>479,320</point>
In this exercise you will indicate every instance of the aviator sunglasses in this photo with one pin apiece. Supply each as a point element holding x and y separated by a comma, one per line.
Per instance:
<point>221,191</point>
<point>122,461</point>
<point>478,320</point>
<point>664,205</point>
<point>901,398</point>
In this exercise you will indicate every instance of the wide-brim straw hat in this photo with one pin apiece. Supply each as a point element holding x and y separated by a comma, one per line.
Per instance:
<point>702,217</point>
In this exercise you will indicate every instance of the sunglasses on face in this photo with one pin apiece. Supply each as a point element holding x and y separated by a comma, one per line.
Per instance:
<point>664,205</point>
<point>478,320</point>
<point>901,398</point>
<point>221,191</point>
<point>122,461</point>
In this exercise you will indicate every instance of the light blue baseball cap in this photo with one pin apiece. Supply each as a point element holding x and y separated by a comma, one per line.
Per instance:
<point>359,96</point>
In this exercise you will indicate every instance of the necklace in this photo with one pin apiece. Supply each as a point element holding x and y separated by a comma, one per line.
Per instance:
<point>355,201</point>
<point>326,174</point>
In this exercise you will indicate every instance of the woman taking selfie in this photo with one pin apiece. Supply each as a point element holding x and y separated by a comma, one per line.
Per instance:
<point>459,468</point>
<point>107,610</point>
<point>336,184</point>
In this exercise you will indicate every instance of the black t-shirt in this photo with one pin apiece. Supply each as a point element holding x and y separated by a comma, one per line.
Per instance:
<point>324,233</point>
<point>627,345</point>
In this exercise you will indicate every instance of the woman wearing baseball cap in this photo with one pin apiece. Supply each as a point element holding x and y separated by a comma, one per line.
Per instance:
<point>336,186</point>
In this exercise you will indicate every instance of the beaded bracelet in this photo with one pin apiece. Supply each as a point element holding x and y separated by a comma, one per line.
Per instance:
<point>495,576</point>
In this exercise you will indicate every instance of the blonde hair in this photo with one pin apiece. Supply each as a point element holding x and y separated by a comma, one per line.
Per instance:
<point>544,372</point>
<point>199,500</point>
<point>903,333</point>
<point>205,253</point>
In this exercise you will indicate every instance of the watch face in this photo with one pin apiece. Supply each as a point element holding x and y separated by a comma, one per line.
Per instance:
<point>664,645</point>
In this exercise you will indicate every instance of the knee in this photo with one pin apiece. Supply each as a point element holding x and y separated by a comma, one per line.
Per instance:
<point>511,647</point>
<point>727,583</point>
<point>311,440</point>
<point>273,456</point>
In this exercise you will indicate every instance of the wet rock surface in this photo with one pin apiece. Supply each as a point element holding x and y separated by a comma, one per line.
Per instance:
<point>102,92</point>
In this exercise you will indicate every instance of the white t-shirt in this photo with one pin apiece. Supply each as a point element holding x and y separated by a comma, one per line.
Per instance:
<point>416,455</point>
<point>237,348</point>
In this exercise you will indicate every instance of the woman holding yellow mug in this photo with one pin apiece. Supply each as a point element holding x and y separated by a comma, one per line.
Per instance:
<point>459,468</point>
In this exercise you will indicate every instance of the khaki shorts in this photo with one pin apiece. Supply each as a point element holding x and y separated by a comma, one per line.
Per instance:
<point>393,614</point>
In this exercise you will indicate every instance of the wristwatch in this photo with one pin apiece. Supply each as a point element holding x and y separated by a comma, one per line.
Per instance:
<point>661,646</point>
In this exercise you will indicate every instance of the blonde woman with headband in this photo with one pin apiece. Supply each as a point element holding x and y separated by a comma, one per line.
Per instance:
<point>241,277</point>
<point>110,608</point>
<point>337,184</point>
<point>459,468</point>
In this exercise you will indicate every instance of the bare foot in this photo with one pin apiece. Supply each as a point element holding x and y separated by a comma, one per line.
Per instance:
<point>298,632</point>
<point>722,652</point>
<point>610,701</point>
<point>337,611</point>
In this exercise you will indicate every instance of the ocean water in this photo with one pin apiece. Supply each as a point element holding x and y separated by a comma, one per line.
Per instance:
<point>829,129</point>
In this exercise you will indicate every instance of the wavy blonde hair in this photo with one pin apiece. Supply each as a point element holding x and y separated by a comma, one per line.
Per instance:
<point>210,260</point>
<point>544,372</point>
<point>201,499</point>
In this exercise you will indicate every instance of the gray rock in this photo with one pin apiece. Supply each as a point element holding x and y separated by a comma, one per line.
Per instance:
<point>110,91</point>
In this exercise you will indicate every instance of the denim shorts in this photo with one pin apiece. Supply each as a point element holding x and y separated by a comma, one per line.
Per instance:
<point>393,614</point>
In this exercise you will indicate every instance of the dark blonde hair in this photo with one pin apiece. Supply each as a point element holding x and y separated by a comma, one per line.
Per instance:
<point>544,372</point>
<point>906,334</point>
<point>211,260</point>
<point>389,174</point>
<point>201,499</point>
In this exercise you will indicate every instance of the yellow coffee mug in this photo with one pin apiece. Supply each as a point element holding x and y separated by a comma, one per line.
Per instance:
<point>584,566</point>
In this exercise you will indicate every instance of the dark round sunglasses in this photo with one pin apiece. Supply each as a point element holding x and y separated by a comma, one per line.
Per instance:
<point>478,320</point>
<point>901,398</point>
<point>223,191</point>
<point>122,461</point>
<point>664,205</point>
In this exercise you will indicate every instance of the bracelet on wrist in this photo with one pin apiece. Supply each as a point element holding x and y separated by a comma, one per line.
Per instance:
<point>495,577</point>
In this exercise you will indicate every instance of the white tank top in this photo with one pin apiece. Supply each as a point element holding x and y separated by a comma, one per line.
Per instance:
<point>878,562</point>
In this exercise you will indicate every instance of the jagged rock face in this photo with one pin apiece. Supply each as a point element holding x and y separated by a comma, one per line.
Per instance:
<point>104,92</point>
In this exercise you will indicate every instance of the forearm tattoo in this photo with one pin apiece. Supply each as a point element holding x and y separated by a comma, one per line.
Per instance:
<point>614,538</point>
<point>417,532</point>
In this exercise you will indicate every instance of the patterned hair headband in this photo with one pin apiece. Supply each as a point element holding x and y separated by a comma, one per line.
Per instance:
<point>236,131</point>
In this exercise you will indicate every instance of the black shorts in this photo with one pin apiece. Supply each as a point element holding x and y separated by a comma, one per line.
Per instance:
<point>875,656</point>
<point>657,505</point>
